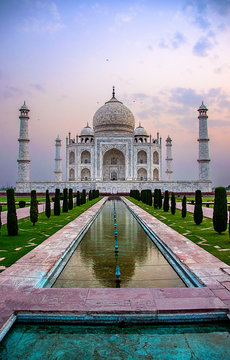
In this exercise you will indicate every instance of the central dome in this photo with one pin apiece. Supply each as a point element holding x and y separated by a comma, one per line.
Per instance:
<point>113,117</point>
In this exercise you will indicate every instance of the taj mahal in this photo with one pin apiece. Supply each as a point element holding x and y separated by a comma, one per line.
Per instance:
<point>113,156</point>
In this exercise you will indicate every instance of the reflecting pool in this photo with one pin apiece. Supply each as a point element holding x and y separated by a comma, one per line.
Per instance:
<point>133,342</point>
<point>93,264</point>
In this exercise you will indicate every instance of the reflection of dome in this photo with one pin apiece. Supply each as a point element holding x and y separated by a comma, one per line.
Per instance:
<point>113,117</point>
<point>140,131</point>
<point>87,131</point>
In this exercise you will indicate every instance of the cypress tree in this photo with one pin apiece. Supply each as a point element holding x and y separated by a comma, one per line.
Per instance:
<point>198,212</point>
<point>155,199</point>
<point>78,198</point>
<point>48,210</point>
<point>57,207</point>
<point>33,207</point>
<point>166,201</point>
<point>97,193</point>
<point>0,216</point>
<point>173,204</point>
<point>12,222</point>
<point>65,200</point>
<point>90,195</point>
<point>70,199</point>
<point>159,199</point>
<point>184,207</point>
<point>220,213</point>
<point>84,196</point>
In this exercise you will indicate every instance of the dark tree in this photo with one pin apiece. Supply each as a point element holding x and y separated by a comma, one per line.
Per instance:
<point>65,200</point>
<point>155,199</point>
<point>220,213</point>
<point>173,204</point>
<point>166,201</point>
<point>83,197</point>
<point>33,207</point>
<point>57,207</point>
<point>0,216</point>
<point>159,199</point>
<point>184,207</point>
<point>70,199</point>
<point>48,209</point>
<point>12,222</point>
<point>91,193</point>
<point>22,204</point>
<point>198,212</point>
<point>78,198</point>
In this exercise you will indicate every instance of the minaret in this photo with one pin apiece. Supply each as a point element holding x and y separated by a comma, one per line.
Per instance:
<point>23,151</point>
<point>204,173</point>
<point>169,170</point>
<point>58,160</point>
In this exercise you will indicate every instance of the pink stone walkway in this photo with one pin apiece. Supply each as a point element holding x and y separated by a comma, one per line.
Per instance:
<point>24,212</point>
<point>20,284</point>
<point>207,212</point>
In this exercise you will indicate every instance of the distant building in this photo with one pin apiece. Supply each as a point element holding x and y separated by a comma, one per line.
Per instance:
<point>114,156</point>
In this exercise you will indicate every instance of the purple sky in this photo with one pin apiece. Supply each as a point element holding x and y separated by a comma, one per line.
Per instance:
<point>164,58</point>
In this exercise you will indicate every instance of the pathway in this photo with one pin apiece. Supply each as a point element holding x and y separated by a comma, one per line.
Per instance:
<point>207,212</point>
<point>21,284</point>
<point>24,212</point>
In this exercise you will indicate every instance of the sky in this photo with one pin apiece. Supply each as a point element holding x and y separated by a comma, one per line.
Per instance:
<point>163,57</point>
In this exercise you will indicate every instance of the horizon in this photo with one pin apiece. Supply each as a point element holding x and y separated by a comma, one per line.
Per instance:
<point>164,59</point>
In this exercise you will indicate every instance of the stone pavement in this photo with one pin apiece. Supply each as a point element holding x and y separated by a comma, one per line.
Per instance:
<point>20,284</point>
<point>207,212</point>
<point>24,212</point>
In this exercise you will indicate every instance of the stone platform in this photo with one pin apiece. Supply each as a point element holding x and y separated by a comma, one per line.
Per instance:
<point>20,292</point>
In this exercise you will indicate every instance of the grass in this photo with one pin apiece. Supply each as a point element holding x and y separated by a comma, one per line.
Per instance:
<point>13,248</point>
<point>203,234</point>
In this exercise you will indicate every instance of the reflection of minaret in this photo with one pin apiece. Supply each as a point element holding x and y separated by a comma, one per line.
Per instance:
<point>169,170</point>
<point>203,160</point>
<point>23,152</point>
<point>58,168</point>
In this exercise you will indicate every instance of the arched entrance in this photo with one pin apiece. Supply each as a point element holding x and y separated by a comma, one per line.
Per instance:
<point>141,174</point>
<point>113,165</point>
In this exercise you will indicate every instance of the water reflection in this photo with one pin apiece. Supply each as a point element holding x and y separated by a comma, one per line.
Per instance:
<point>93,264</point>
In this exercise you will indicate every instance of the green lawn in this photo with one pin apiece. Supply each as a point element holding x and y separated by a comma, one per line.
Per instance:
<point>13,248</point>
<point>203,234</point>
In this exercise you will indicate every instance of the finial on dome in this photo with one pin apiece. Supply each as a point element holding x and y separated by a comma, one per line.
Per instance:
<point>113,93</point>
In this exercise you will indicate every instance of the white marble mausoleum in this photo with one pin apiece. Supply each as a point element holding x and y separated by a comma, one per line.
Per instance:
<point>113,156</point>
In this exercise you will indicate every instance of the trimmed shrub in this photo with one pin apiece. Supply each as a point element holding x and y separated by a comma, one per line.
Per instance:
<point>166,201</point>
<point>78,198</point>
<point>184,207</point>
<point>173,204</point>
<point>12,222</point>
<point>33,207</point>
<point>70,203</point>
<point>198,212</point>
<point>0,216</point>
<point>22,204</point>
<point>220,213</point>
<point>159,199</point>
<point>57,207</point>
<point>155,199</point>
<point>65,200</point>
<point>83,197</point>
<point>48,209</point>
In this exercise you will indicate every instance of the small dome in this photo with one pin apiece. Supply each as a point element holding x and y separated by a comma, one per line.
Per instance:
<point>24,107</point>
<point>202,107</point>
<point>140,131</point>
<point>113,118</point>
<point>87,131</point>
<point>168,138</point>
